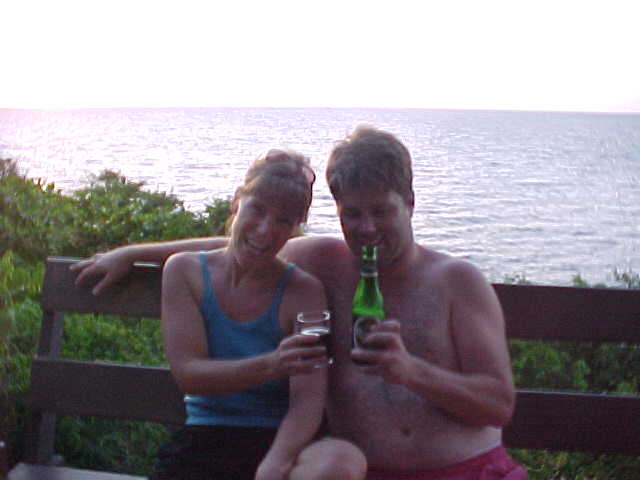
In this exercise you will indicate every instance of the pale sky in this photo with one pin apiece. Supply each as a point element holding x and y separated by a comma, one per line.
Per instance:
<point>482,54</point>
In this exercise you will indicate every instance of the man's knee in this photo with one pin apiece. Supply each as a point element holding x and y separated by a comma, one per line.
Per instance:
<point>330,459</point>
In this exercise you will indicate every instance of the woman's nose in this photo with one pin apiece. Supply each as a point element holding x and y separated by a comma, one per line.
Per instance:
<point>265,224</point>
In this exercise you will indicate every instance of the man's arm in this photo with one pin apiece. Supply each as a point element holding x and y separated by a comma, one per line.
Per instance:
<point>116,264</point>
<point>478,331</point>
<point>482,391</point>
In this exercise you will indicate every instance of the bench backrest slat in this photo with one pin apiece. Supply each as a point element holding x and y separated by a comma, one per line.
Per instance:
<point>575,421</point>
<point>532,312</point>
<point>601,315</point>
<point>87,388</point>
<point>138,296</point>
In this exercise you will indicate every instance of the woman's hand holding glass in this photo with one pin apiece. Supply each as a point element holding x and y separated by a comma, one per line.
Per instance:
<point>316,324</point>
<point>299,354</point>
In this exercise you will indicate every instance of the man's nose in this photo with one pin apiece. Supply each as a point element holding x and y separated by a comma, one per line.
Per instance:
<point>367,225</point>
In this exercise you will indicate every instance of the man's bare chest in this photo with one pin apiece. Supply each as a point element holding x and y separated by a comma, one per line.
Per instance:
<point>422,314</point>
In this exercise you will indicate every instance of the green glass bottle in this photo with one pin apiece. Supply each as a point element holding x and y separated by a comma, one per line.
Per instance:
<point>368,307</point>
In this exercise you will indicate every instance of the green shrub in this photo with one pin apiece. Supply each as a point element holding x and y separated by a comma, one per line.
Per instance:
<point>544,465</point>
<point>116,211</point>
<point>101,444</point>
<point>19,327</point>
<point>37,220</point>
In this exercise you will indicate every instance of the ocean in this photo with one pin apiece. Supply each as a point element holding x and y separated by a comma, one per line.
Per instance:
<point>540,195</point>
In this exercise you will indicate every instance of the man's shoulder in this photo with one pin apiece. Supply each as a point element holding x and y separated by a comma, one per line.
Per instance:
<point>303,249</point>
<point>447,267</point>
<point>302,277</point>
<point>305,282</point>
<point>321,256</point>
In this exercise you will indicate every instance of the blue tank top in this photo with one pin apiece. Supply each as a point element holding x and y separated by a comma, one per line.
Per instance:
<point>262,406</point>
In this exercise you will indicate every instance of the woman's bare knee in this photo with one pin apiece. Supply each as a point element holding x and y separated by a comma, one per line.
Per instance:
<point>330,459</point>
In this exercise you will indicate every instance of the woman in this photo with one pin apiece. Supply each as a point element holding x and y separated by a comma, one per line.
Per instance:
<point>227,321</point>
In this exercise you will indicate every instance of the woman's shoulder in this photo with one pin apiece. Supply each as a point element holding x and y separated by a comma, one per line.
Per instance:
<point>181,260</point>
<point>186,262</point>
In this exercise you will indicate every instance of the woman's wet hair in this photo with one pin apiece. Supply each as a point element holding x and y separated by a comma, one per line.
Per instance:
<point>285,177</point>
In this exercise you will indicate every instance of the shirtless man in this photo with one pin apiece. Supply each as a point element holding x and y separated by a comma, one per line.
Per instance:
<point>437,387</point>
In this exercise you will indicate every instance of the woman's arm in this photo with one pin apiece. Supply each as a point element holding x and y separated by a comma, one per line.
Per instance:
<point>307,393</point>
<point>307,396</point>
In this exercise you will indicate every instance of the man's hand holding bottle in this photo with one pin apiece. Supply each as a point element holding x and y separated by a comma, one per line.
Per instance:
<point>385,353</point>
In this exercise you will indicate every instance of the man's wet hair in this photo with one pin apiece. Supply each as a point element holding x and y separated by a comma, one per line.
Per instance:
<point>370,158</point>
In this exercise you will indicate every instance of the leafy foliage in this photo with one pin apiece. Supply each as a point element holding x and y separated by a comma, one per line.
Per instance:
<point>116,211</point>
<point>19,326</point>
<point>37,220</point>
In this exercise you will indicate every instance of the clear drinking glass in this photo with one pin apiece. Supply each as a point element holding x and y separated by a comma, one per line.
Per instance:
<point>318,324</point>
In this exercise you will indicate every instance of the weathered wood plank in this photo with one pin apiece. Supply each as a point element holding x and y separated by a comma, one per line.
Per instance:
<point>106,390</point>
<point>570,314</point>
<point>42,425</point>
<point>543,419</point>
<point>25,471</point>
<point>575,421</point>
<point>138,295</point>
<point>531,311</point>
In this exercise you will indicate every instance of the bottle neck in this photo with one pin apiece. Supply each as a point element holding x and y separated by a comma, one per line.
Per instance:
<point>369,281</point>
<point>368,268</point>
<point>368,294</point>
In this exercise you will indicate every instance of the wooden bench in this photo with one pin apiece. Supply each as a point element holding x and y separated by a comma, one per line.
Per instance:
<point>554,420</point>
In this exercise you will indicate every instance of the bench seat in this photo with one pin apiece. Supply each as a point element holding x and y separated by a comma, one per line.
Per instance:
<point>25,471</point>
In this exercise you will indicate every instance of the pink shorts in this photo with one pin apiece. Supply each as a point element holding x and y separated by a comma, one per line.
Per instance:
<point>493,465</point>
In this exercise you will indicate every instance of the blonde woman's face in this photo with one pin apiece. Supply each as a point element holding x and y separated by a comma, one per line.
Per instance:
<point>260,228</point>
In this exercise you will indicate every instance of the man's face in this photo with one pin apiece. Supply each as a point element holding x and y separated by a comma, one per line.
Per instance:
<point>376,217</point>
